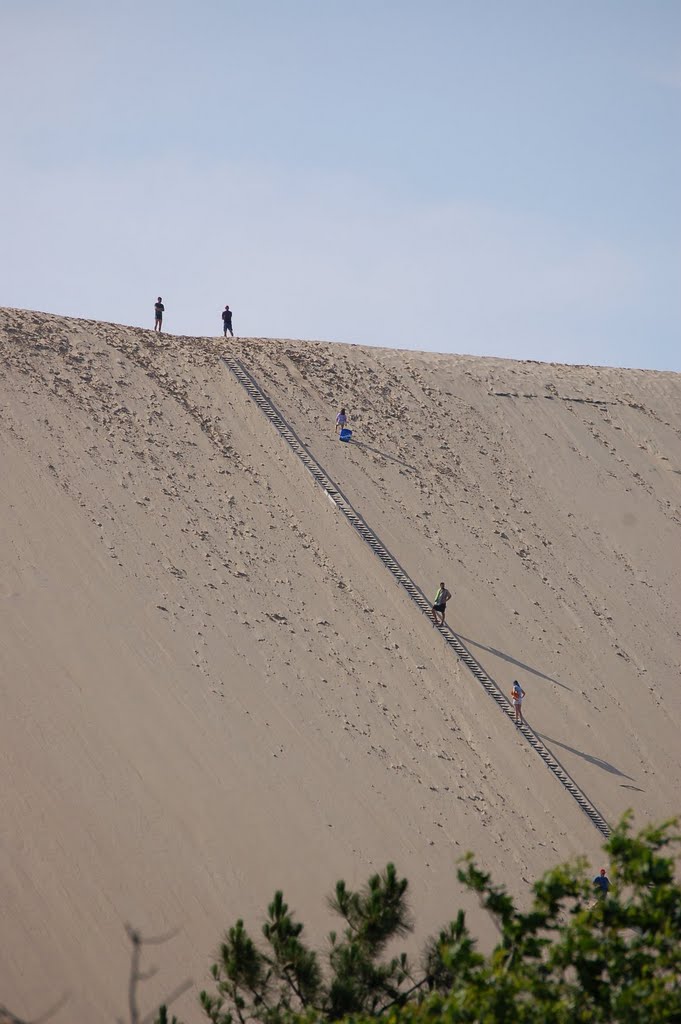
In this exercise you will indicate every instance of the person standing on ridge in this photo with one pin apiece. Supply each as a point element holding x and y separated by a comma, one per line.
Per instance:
<point>341,420</point>
<point>517,694</point>
<point>601,884</point>
<point>158,313</point>
<point>227,321</point>
<point>440,605</point>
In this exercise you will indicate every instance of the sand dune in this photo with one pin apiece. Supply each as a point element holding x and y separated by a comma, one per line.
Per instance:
<point>211,688</point>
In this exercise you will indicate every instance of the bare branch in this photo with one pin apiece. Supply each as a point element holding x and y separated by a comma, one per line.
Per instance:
<point>137,975</point>
<point>7,1017</point>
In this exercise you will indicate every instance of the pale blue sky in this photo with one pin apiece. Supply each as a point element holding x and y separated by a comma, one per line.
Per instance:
<point>499,178</point>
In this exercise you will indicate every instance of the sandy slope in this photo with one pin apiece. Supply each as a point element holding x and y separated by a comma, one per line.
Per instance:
<point>211,688</point>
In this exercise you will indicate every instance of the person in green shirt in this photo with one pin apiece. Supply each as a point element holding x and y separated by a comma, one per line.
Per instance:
<point>440,605</point>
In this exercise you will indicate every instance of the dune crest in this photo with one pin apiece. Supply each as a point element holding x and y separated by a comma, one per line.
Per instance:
<point>213,689</point>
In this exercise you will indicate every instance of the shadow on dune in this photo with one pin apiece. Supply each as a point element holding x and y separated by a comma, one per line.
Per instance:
<point>597,761</point>
<point>513,661</point>
<point>384,455</point>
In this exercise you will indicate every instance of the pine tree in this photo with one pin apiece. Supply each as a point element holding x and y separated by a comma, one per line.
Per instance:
<point>570,957</point>
<point>275,984</point>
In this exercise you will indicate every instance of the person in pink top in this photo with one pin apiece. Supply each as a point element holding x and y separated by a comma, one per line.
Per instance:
<point>517,695</point>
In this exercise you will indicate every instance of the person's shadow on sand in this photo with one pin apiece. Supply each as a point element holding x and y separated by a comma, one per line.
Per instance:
<point>513,661</point>
<point>384,455</point>
<point>597,761</point>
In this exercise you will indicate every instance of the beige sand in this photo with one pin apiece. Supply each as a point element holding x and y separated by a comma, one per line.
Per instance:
<point>211,688</point>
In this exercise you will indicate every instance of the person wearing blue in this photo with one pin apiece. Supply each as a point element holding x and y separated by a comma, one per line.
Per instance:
<point>601,883</point>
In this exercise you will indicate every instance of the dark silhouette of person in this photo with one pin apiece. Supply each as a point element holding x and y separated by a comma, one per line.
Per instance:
<point>227,321</point>
<point>158,313</point>
<point>601,883</point>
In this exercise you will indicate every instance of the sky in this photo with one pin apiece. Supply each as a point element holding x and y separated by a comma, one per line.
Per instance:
<point>492,177</point>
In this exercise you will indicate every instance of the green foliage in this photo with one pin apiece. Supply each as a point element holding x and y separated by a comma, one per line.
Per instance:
<point>285,980</point>
<point>163,1018</point>
<point>374,916</point>
<point>571,957</point>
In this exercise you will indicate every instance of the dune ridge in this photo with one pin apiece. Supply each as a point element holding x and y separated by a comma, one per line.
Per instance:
<point>212,690</point>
